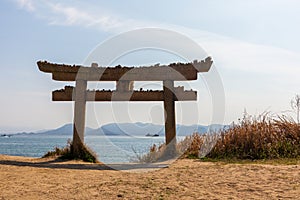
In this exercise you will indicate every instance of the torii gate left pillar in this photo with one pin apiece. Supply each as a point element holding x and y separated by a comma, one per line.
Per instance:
<point>79,115</point>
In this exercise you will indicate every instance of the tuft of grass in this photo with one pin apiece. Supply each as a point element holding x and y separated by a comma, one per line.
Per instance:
<point>155,152</point>
<point>66,153</point>
<point>160,152</point>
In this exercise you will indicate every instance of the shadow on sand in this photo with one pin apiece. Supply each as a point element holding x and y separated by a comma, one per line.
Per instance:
<point>63,164</point>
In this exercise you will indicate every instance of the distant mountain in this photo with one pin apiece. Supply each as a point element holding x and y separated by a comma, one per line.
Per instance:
<point>217,127</point>
<point>137,129</point>
<point>142,129</point>
<point>66,129</point>
<point>183,130</point>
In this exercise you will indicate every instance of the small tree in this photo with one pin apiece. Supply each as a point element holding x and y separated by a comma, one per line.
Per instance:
<point>295,104</point>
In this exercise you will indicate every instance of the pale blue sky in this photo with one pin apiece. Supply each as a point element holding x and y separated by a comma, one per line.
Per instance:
<point>255,46</point>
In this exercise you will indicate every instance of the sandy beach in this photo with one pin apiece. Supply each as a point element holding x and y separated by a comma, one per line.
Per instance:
<point>32,178</point>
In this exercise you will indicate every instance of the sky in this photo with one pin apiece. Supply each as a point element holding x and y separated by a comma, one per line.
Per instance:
<point>255,46</point>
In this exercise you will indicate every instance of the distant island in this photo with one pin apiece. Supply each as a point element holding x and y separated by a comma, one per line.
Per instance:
<point>15,134</point>
<point>125,129</point>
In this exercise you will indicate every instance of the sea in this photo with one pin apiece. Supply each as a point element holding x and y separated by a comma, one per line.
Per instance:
<point>109,149</point>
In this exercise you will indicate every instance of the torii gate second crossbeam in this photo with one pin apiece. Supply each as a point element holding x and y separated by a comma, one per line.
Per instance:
<point>124,77</point>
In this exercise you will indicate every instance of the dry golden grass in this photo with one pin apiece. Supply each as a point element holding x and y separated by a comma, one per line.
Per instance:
<point>263,137</point>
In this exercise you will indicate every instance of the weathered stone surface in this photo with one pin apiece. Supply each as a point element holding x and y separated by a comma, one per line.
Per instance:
<point>174,71</point>
<point>67,94</point>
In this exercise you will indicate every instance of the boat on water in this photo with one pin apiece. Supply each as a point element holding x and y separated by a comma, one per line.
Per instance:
<point>151,135</point>
<point>5,135</point>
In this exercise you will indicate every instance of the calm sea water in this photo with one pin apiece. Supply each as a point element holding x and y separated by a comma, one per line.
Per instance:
<point>110,149</point>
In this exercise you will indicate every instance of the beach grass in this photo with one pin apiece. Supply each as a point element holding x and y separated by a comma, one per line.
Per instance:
<point>264,139</point>
<point>65,153</point>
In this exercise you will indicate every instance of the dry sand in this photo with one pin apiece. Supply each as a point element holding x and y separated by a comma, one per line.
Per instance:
<point>29,178</point>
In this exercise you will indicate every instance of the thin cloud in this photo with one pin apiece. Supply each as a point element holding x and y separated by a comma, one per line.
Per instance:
<point>237,55</point>
<point>244,56</point>
<point>227,52</point>
<point>65,15</point>
<point>26,4</point>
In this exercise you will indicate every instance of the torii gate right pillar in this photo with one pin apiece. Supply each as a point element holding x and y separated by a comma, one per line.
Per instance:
<point>170,121</point>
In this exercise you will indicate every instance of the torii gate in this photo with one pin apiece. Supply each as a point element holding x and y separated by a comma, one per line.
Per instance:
<point>124,77</point>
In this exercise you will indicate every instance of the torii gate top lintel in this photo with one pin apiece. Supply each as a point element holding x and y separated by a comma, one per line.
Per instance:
<point>173,71</point>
